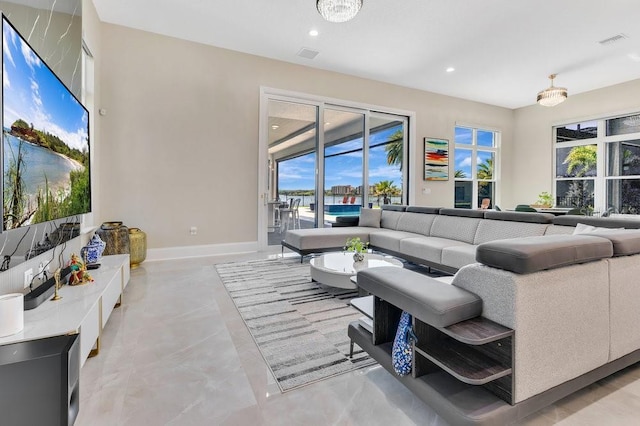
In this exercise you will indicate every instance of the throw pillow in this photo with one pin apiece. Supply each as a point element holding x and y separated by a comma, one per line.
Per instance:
<point>582,228</point>
<point>370,218</point>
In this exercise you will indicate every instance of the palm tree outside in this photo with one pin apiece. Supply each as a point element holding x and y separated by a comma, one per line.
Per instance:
<point>385,189</point>
<point>581,160</point>
<point>394,149</point>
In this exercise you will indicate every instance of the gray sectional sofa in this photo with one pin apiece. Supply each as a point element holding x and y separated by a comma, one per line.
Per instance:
<point>443,238</point>
<point>532,314</point>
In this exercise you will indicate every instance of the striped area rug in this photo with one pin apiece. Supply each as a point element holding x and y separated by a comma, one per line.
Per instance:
<point>300,326</point>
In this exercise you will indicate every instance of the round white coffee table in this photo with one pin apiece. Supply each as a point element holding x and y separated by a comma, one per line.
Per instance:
<point>336,269</point>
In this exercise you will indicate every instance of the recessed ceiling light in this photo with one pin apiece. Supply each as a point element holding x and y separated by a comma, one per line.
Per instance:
<point>451,69</point>
<point>275,126</point>
<point>314,33</point>
<point>326,123</point>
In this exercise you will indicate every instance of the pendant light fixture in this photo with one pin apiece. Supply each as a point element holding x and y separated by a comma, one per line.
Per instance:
<point>553,95</point>
<point>338,10</point>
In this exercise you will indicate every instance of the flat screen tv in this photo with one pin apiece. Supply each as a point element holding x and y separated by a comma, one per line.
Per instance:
<point>45,140</point>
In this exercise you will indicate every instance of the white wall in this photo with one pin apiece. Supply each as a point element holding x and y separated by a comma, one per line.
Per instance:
<point>179,141</point>
<point>91,34</point>
<point>529,156</point>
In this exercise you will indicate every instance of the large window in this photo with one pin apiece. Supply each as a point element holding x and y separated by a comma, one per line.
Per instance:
<point>597,165</point>
<point>335,159</point>
<point>475,154</point>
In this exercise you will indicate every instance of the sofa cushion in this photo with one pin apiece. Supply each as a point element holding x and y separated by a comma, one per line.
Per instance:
<point>429,300</point>
<point>519,216</point>
<point>455,228</point>
<point>604,222</point>
<point>559,230</point>
<point>393,207</point>
<point>370,218</point>
<point>532,254</point>
<point>491,230</point>
<point>388,239</point>
<point>479,214</point>
<point>582,228</point>
<point>625,242</point>
<point>418,223</point>
<point>459,256</point>
<point>323,238</point>
<point>421,209</point>
<point>427,248</point>
<point>389,219</point>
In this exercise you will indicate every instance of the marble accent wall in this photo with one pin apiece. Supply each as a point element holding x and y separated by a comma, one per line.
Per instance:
<point>54,29</point>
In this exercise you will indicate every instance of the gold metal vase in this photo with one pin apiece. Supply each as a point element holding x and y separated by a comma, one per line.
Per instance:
<point>138,246</point>
<point>116,238</point>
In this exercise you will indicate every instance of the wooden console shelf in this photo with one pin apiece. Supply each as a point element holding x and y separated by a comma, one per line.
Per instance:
<point>464,362</point>
<point>477,352</point>
<point>477,331</point>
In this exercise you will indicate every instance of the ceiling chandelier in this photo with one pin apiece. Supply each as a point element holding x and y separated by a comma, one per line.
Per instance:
<point>552,96</point>
<point>338,10</point>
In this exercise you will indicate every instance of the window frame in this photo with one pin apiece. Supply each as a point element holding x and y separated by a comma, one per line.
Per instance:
<point>475,148</point>
<point>602,142</point>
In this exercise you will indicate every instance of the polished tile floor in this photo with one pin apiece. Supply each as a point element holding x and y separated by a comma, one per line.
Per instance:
<point>177,353</point>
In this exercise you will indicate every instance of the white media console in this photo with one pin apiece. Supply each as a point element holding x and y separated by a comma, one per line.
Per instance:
<point>83,309</point>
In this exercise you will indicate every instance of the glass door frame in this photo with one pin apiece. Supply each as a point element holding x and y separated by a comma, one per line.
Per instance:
<point>319,219</point>
<point>406,151</point>
<point>267,94</point>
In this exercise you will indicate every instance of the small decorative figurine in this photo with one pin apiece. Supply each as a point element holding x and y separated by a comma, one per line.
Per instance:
<point>79,274</point>
<point>56,286</point>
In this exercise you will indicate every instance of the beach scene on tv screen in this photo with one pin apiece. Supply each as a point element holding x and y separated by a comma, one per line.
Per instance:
<point>45,140</point>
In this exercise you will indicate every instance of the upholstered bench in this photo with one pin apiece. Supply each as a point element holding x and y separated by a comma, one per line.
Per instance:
<point>429,300</point>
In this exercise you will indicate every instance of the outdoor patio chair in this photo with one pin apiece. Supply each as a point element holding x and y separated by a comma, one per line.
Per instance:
<point>290,215</point>
<point>576,211</point>
<point>485,203</point>
<point>345,199</point>
<point>525,208</point>
<point>353,200</point>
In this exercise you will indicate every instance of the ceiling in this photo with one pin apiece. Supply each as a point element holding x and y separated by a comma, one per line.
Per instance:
<point>502,50</point>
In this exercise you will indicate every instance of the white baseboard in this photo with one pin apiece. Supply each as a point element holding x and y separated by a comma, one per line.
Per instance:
<point>200,251</point>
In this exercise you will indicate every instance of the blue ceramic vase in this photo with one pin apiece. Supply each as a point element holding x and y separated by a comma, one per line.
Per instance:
<point>92,252</point>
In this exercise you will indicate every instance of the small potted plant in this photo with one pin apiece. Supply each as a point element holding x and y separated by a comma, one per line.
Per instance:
<point>545,200</point>
<point>358,247</point>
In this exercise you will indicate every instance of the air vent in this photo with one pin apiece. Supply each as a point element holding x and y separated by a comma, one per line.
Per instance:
<point>307,53</point>
<point>614,39</point>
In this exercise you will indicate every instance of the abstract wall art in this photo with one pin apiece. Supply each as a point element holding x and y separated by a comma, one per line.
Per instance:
<point>436,159</point>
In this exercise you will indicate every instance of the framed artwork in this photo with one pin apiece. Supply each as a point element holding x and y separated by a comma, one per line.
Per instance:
<point>436,159</point>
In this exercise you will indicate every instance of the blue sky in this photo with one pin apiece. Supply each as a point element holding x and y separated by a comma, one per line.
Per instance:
<point>464,136</point>
<point>298,173</point>
<point>33,93</point>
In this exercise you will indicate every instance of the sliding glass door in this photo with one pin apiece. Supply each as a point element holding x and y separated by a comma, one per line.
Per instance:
<point>325,161</point>
<point>292,136</point>
<point>386,159</point>
<point>343,163</point>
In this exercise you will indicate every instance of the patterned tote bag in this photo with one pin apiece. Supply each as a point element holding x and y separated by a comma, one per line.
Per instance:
<point>402,352</point>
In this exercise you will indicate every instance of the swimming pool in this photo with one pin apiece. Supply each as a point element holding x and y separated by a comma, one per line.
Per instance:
<point>342,209</point>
